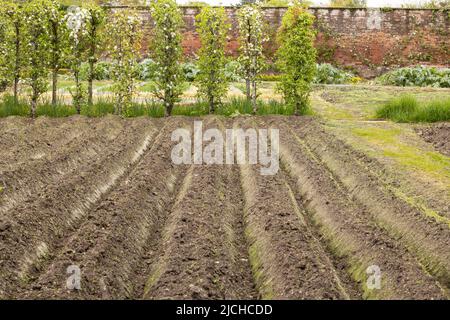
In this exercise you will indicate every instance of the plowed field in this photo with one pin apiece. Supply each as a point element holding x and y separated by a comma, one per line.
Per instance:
<point>104,195</point>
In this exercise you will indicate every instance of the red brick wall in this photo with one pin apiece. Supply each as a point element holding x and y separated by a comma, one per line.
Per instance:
<point>369,41</point>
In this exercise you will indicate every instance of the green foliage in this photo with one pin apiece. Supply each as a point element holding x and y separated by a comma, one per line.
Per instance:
<point>296,57</point>
<point>58,43</point>
<point>6,46</point>
<point>251,39</point>
<point>125,29</point>
<point>10,107</point>
<point>408,109</point>
<point>146,70</point>
<point>95,41</point>
<point>77,20</point>
<point>190,71</point>
<point>36,47</point>
<point>212,81</point>
<point>270,77</point>
<point>420,76</point>
<point>232,71</point>
<point>12,61</point>
<point>167,52</point>
<point>102,71</point>
<point>328,74</point>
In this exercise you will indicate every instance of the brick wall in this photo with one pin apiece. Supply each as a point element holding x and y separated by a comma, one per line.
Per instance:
<point>368,41</point>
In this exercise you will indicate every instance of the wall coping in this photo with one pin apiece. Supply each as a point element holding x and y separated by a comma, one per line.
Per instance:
<point>387,9</point>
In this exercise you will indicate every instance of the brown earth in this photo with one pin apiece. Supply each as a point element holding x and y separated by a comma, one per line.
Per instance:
<point>104,195</point>
<point>438,135</point>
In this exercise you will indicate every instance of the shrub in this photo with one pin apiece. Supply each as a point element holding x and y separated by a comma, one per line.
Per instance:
<point>408,109</point>
<point>420,76</point>
<point>212,81</point>
<point>328,74</point>
<point>296,57</point>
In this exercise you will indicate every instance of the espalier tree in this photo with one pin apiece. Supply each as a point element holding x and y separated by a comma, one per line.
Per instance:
<point>95,37</point>
<point>212,80</point>
<point>36,49</point>
<point>125,29</point>
<point>6,57</point>
<point>58,43</point>
<point>167,52</point>
<point>251,38</point>
<point>14,16</point>
<point>297,57</point>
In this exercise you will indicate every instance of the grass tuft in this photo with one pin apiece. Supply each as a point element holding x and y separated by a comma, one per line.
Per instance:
<point>407,109</point>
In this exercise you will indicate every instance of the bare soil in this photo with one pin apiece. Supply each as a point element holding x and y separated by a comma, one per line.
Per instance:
<point>104,195</point>
<point>438,135</point>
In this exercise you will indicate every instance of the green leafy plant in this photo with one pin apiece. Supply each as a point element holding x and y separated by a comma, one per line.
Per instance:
<point>296,57</point>
<point>328,74</point>
<point>167,52</point>
<point>420,76</point>
<point>212,81</point>
<point>124,50</point>
<point>191,71</point>
<point>251,39</point>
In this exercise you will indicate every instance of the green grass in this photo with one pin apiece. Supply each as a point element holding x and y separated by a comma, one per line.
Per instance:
<point>407,109</point>
<point>8,107</point>
<point>235,106</point>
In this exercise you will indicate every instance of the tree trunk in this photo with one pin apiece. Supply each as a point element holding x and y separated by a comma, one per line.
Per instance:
<point>255,106</point>
<point>33,107</point>
<point>54,86</point>
<point>77,92</point>
<point>211,105</point>
<point>297,109</point>
<point>90,82</point>
<point>249,89</point>
<point>17,64</point>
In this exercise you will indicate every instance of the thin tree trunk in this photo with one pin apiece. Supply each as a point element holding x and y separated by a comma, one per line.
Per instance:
<point>255,106</point>
<point>55,61</point>
<point>33,106</point>
<point>92,53</point>
<point>90,83</point>
<point>249,89</point>
<point>77,92</point>
<point>54,86</point>
<point>211,105</point>
<point>17,64</point>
